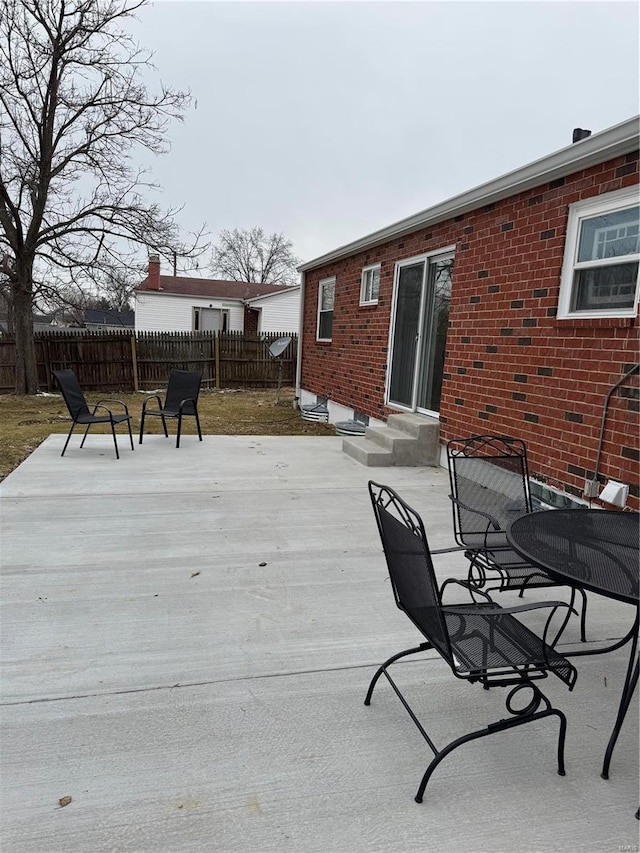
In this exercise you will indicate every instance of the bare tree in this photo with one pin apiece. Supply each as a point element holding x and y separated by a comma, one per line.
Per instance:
<point>107,287</point>
<point>6,302</point>
<point>249,255</point>
<point>114,284</point>
<point>73,110</point>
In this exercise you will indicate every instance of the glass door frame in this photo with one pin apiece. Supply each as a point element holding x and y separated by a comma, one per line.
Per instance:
<point>423,336</point>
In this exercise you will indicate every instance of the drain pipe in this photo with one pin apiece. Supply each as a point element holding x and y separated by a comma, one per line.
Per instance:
<point>591,486</point>
<point>298,388</point>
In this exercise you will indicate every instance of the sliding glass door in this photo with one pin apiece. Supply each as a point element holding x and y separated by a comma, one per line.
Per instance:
<point>420,318</point>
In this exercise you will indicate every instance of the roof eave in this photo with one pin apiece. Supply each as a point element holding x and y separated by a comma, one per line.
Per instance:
<point>275,293</point>
<point>163,292</point>
<point>613,142</point>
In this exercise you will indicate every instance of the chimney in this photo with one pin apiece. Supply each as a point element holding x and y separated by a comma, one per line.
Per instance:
<point>153,276</point>
<point>579,133</point>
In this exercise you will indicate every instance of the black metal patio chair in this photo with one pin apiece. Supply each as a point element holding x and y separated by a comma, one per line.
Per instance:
<point>489,477</point>
<point>480,641</point>
<point>81,413</point>
<point>181,400</point>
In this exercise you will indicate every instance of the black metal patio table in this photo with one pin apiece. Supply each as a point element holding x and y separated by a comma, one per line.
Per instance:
<point>596,550</point>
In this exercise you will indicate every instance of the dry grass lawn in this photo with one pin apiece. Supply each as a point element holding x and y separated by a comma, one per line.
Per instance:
<point>26,421</point>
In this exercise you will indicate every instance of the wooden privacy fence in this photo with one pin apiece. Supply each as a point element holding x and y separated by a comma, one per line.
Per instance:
<point>105,361</point>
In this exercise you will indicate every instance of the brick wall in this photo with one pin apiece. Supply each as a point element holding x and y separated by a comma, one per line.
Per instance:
<point>251,321</point>
<point>511,366</point>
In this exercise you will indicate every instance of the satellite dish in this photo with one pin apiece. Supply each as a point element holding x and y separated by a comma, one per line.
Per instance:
<point>279,346</point>
<point>276,349</point>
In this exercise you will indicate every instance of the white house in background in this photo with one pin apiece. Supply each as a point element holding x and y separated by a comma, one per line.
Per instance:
<point>277,312</point>
<point>169,303</point>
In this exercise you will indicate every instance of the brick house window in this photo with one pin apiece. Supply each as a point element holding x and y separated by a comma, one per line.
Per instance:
<point>601,257</point>
<point>326,296</point>
<point>370,285</point>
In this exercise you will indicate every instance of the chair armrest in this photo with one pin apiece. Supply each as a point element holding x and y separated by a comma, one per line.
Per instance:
<point>100,406</point>
<point>517,608</point>
<point>490,518</point>
<point>148,400</point>
<point>187,400</point>
<point>469,586</point>
<point>119,402</point>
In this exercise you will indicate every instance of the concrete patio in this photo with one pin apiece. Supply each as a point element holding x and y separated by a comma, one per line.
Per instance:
<point>187,638</point>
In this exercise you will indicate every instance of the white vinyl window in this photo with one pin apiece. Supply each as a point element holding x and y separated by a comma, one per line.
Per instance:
<point>326,297</point>
<point>601,257</point>
<point>210,320</point>
<point>370,285</point>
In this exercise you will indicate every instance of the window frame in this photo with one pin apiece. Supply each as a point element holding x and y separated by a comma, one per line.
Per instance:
<point>196,319</point>
<point>369,269</point>
<point>321,284</point>
<point>579,212</point>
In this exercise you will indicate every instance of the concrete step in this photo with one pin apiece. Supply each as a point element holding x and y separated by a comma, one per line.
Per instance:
<point>408,439</point>
<point>418,426</point>
<point>405,449</point>
<point>367,452</point>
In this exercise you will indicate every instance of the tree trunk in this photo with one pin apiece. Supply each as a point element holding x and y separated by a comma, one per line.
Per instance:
<point>26,372</point>
<point>11,323</point>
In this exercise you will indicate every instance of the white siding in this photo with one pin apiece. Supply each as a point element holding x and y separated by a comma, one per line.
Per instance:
<point>279,312</point>
<point>236,316</point>
<point>161,312</point>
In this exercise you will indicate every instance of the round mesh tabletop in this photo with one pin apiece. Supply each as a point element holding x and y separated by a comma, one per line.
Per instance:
<point>595,549</point>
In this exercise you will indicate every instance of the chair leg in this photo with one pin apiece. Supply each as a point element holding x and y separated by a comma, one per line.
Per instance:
<point>630,683</point>
<point>179,429</point>
<point>142,417</point>
<point>115,440</point>
<point>381,669</point>
<point>73,426</point>
<point>520,718</point>
<point>85,435</point>
<point>198,425</point>
<point>583,617</point>
<point>130,435</point>
<point>164,426</point>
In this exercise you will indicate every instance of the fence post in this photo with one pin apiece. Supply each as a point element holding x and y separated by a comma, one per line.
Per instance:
<point>134,361</point>
<point>217,355</point>
<point>47,363</point>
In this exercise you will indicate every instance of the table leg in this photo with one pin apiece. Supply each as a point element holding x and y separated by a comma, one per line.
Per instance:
<point>630,682</point>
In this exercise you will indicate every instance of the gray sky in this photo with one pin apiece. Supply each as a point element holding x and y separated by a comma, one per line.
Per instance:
<point>328,120</point>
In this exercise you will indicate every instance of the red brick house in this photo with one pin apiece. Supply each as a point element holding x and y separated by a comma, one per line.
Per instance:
<point>512,309</point>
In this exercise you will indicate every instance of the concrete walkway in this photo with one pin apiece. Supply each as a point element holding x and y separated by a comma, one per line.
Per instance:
<point>187,638</point>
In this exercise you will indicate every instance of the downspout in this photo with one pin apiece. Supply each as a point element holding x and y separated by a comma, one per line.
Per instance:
<point>591,487</point>
<point>296,401</point>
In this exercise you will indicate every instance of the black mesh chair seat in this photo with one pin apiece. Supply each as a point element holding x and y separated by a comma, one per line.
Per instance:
<point>489,476</point>
<point>483,637</point>
<point>181,400</point>
<point>81,413</point>
<point>479,640</point>
<point>514,573</point>
<point>87,418</point>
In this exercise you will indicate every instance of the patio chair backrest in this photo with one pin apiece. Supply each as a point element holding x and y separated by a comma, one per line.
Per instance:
<point>410,566</point>
<point>71,392</point>
<point>183,385</point>
<point>490,474</point>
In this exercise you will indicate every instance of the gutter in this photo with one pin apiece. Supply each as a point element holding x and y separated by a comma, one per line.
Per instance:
<point>275,293</point>
<point>299,359</point>
<point>615,141</point>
